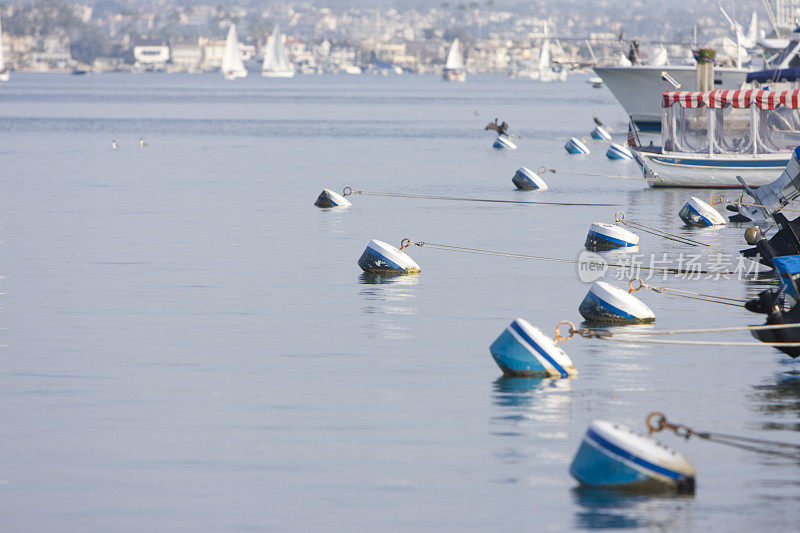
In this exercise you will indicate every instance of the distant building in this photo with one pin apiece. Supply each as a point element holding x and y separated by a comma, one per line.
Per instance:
<point>186,56</point>
<point>151,55</point>
<point>212,53</point>
<point>54,55</point>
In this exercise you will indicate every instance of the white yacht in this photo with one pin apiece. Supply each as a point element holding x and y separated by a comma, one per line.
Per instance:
<point>276,63</point>
<point>232,64</point>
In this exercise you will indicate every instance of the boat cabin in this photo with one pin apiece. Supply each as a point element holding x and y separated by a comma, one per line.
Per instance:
<point>725,123</point>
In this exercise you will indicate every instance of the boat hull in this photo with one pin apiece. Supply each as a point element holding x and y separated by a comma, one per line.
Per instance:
<point>454,75</point>
<point>278,73</point>
<point>697,171</point>
<point>638,88</point>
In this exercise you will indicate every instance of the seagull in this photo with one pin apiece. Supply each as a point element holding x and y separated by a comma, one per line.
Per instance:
<point>142,144</point>
<point>114,145</point>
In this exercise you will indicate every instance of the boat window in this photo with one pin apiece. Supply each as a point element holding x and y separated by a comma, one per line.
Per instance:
<point>688,131</point>
<point>778,130</point>
<point>732,132</point>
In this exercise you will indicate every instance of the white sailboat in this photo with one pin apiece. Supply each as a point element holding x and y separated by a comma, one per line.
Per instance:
<point>546,70</point>
<point>276,63</point>
<point>232,65</point>
<point>5,75</point>
<point>454,68</point>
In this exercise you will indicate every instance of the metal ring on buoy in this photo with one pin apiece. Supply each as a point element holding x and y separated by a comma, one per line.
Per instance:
<point>571,331</point>
<point>405,243</point>
<point>541,170</point>
<point>717,199</point>
<point>619,216</point>
<point>347,191</point>
<point>630,285</point>
<point>660,424</point>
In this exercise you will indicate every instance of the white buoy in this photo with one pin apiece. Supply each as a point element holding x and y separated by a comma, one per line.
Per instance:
<point>114,145</point>
<point>527,180</point>
<point>524,350</point>
<point>142,144</point>
<point>575,146</point>
<point>697,213</point>
<point>328,198</point>
<point>607,303</point>
<point>504,142</point>
<point>599,133</point>
<point>604,236</point>
<point>614,456</point>
<point>383,258</point>
<point>618,151</point>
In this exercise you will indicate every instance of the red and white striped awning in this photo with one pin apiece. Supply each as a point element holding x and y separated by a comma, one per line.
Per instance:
<point>738,99</point>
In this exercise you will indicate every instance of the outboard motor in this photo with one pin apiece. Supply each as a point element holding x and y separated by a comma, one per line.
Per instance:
<point>774,196</point>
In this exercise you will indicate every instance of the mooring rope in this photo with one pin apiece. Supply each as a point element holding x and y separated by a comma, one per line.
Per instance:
<point>713,298</point>
<point>619,216</point>
<point>632,336</point>
<point>543,170</point>
<point>657,421</point>
<point>463,249</point>
<point>348,191</point>
<point>718,200</point>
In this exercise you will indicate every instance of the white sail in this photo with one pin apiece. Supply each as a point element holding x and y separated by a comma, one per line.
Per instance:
<point>232,65</point>
<point>3,73</point>
<point>455,61</point>
<point>276,62</point>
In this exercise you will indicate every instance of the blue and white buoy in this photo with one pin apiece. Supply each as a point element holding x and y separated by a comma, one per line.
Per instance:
<point>504,142</point>
<point>527,180</point>
<point>697,213</point>
<point>599,133</point>
<point>618,151</point>
<point>614,456</point>
<point>523,350</point>
<point>383,258</point>
<point>575,146</point>
<point>607,303</point>
<point>328,198</point>
<point>604,236</point>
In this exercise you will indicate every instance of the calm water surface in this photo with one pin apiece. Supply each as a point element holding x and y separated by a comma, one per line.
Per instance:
<point>188,343</point>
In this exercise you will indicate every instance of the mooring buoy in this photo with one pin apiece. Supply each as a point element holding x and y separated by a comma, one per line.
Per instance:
<point>383,258</point>
<point>575,146</point>
<point>329,198</point>
<point>599,133</point>
<point>618,151</point>
<point>614,456</point>
<point>604,236</point>
<point>699,214</point>
<point>525,351</point>
<point>606,303</point>
<point>527,180</point>
<point>504,142</point>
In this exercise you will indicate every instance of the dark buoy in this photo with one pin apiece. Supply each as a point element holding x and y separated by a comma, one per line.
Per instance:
<point>383,258</point>
<point>328,198</point>
<point>604,236</point>
<point>527,180</point>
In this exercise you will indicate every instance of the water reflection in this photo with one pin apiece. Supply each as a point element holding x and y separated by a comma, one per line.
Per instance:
<point>779,402</point>
<point>608,509</point>
<point>531,401</point>
<point>387,299</point>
